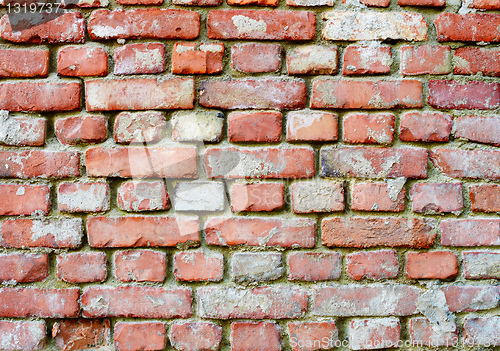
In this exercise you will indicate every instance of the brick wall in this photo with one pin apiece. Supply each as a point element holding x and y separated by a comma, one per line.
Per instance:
<point>252,175</point>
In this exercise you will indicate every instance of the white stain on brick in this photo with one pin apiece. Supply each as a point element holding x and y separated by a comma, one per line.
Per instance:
<point>249,25</point>
<point>199,196</point>
<point>62,230</point>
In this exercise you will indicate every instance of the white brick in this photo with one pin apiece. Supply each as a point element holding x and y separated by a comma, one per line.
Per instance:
<point>252,267</point>
<point>197,126</point>
<point>317,196</point>
<point>199,196</point>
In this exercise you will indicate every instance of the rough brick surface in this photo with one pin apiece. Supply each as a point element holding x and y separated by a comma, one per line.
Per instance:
<point>314,266</point>
<point>425,59</point>
<point>474,60</point>
<point>139,336</point>
<point>192,58</point>
<point>24,268</point>
<point>485,198</point>
<point>471,298</point>
<point>426,126</point>
<point>79,334</point>
<point>470,232</point>
<point>377,333</point>
<point>198,266</point>
<point>22,131</point>
<point>139,127</point>
<point>257,126</point>
<point>367,60</point>
<point>256,58</point>
<point>317,196</point>
<point>84,267</point>
<point>378,197</point>
<point>196,336</point>
<point>362,128</point>
<point>431,265</point>
<point>450,94</point>
<point>24,63</point>
<point>437,197</point>
<point>477,128</point>
<point>257,197</point>
<point>76,61</point>
<point>197,126</point>
<point>475,164</point>
<point>481,331</point>
<point>136,196</point>
<point>423,331</point>
<point>140,266</point>
<point>481,264</point>
<point>24,199</point>
<point>83,197</point>
<point>312,59</point>
<point>81,129</point>
<point>306,336</point>
<point>258,336</point>
<point>374,265</point>
<point>140,59</point>
<point>311,126</point>
<point>256,267</point>
<point>472,27</point>
<point>22,335</point>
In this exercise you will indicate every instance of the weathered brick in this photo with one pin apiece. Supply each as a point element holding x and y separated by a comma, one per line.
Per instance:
<point>196,336</point>
<point>197,58</point>
<point>143,58</point>
<point>437,197</point>
<point>39,164</point>
<point>471,298</point>
<point>478,27</point>
<point>152,23</point>
<point>139,127</point>
<point>193,266</point>
<point>136,231</point>
<point>83,197</point>
<point>257,197</point>
<point>356,26</point>
<point>314,266</point>
<point>257,231</point>
<point>388,196</point>
<point>139,94</point>
<point>485,198</point>
<point>311,126</point>
<point>261,24</point>
<point>53,233</point>
<point>475,164</point>
<point>20,199</point>
<point>136,301</point>
<point>310,336</point>
<point>266,93</point>
<point>22,130</point>
<point>139,336</point>
<point>376,333</point>
<point>373,3</point>
<point>481,265</point>
<point>425,59</point>
<point>22,335</point>
<point>81,61</point>
<point>197,2</point>
<point>451,94</point>
<point>142,162</point>
<point>40,96</point>
<point>135,196</point>
<point>81,129</point>
<point>377,231</point>
<point>424,332</point>
<point>254,126</point>
<point>199,196</point>
<point>430,3</point>
<point>354,94</point>
<point>478,128</point>
<point>317,196</point>
<point>255,336</point>
<point>140,265</point>
<point>369,162</point>
<point>470,232</point>
<point>261,163</point>
<point>84,3</point>
<point>82,267</point>
<point>81,334</point>
<point>24,63</point>
<point>253,2</point>
<point>140,2</point>
<point>249,267</point>
<point>431,265</point>
<point>425,126</point>
<point>485,4</point>
<point>367,60</point>
<point>41,303</point>
<point>373,265</point>
<point>471,60</point>
<point>256,57</point>
<point>481,331</point>
<point>311,59</point>
<point>233,303</point>
<point>23,268</point>
<point>364,128</point>
<point>197,126</point>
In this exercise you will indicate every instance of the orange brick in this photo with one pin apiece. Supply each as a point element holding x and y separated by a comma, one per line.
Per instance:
<point>197,58</point>
<point>311,126</point>
<point>431,265</point>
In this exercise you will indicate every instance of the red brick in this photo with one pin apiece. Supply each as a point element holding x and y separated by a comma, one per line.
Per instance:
<point>475,164</point>
<point>478,128</point>
<point>367,60</point>
<point>198,266</point>
<point>470,232</point>
<point>471,298</point>
<point>82,267</point>
<point>425,59</point>
<point>481,264</point>
<point>485,198</point>
<point>196,336</point>
<point>377,231</point>
<point>54,233</point>
<point>22,335</point>
<point>139,94</point>
<point>431,265</point>
<point>64,28</point>
<point>83,197</point>
<point>80,61</point>
<point>84,3</point>
<point>369,162</point>
<point>310,2</point>
<point>257,197</point>
<point>39,164</point>
<point>197,2</point>
<point>151,23</point>
<point>142,162</point>
<point>425,126</point>
<point>81,334</point>
<point>141,231</point>
<point>353,94</point>
<point>23,63</point>
<point>140,2</point>
<point>40,96</point>
<point>143,58</point>
<point>257,231</point>
<point>135,196</point>
<point>253,2</point>
<point>424,332</point>
<point>140,266</point>
<point>41,303</point>
<point>267,25</point>
<point>314,266</point>
<point>485,4</point>
<point>255,336</point>
<point>311,59</point>
<point>363,128</point>
<point>369,300</point>
<point>479,331</point>
<point>471,60</point>
<point>478,27</point>
<point>139,336</point>
<point>24,268</point>
<point>22,131</point>
<point>20,199</point>
<point>377,197</point>
<point>256,57</point>
<point>256,126</point>
<point>431,3</point>
<point>266,93</point>
<point>139,127</point>
<point>310,336</point>
<point>311,126</point>
<point>437,197</point>
<point>81,129</point>
<point>136,301</point>
<point>450,94</point>
<point>197,58</point>
<point>377,333</point>
<point>373,3</point>
<point>374,265</point>
<point>317,196</point>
